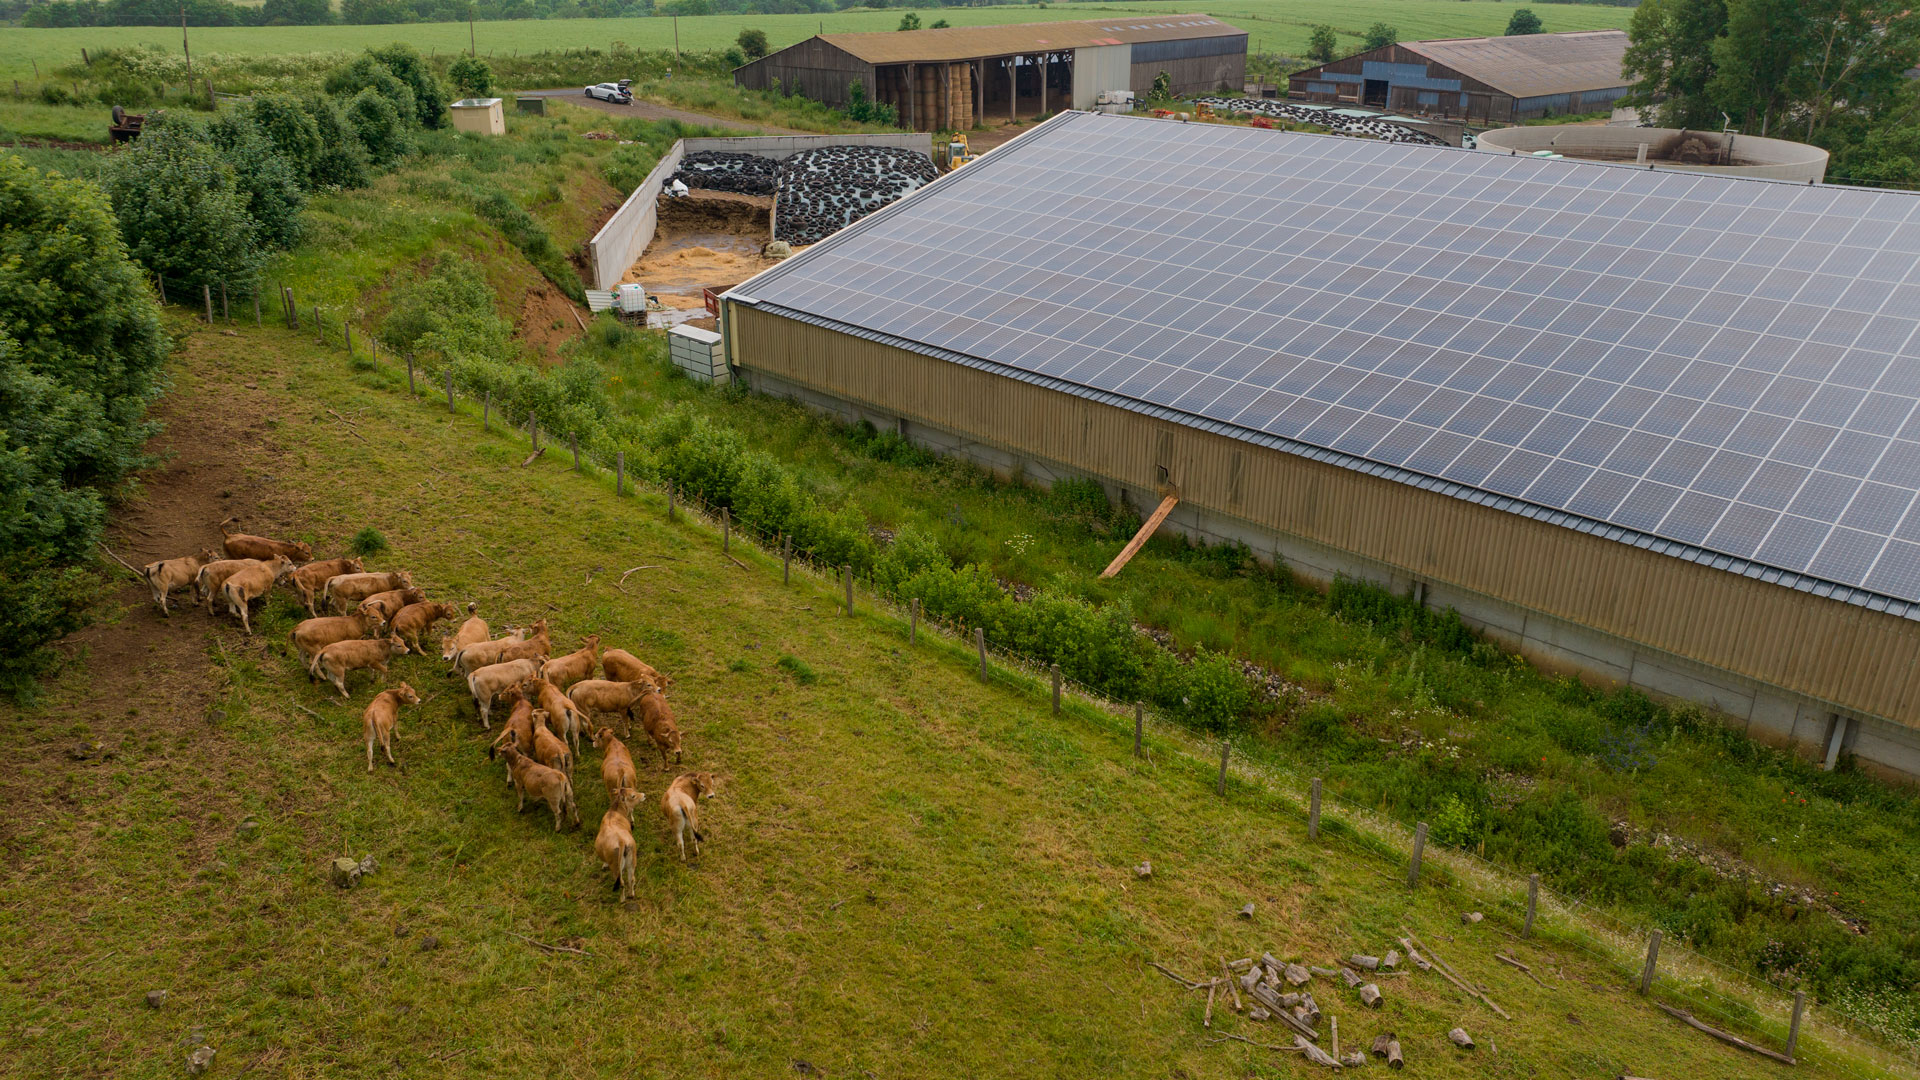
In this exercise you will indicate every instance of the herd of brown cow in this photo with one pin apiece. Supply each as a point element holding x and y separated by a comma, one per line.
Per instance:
<point>554,702</point>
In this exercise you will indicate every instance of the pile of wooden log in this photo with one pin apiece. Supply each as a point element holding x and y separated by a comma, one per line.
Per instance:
<point>1270,990</point>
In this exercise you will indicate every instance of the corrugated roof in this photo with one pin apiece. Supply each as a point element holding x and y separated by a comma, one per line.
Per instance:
<point>972,42</point>
<point>1718,369</point>
<point>1533,65</point>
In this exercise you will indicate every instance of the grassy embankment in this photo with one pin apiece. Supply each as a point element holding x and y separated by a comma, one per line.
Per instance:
<point>1274,26</point>
<point>907,873</point>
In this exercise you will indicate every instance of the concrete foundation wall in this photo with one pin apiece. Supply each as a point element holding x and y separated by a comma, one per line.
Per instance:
<point>781,147</point>
<point>1768,714</point>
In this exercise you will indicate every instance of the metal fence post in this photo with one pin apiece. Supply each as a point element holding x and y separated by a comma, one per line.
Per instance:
<point>1056,689</point>
<point>1313,811</point>
<point>1139,723</point>
<point>1793,1029</point>
<point>207,291</point>
<point>1533,904</point>
<point>980,643</point>
<point>619,471</point>
<point>846,572</point>
<point>1226,747</point>
<point>1419,846</point>
<point>1653,962</point>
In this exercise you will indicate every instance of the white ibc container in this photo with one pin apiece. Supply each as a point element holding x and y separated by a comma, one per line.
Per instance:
<point>632,298</point>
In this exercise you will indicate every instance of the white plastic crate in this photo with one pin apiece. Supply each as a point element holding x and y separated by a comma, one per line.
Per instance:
<point>698,353</point>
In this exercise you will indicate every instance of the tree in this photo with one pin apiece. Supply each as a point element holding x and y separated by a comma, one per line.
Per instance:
<point>182,211</point>
<point>1524,22</point>
<point>472,77</point>
<point>1670,59</point>
<point>343,160</point>
<point>752,42</point>
<point>940,24</point>
<point>387,135</point>
<point>296,12</point>
<point>407,65</point>
<point>910,21</point>
<point>367,73</point>
<point>276,195</point>
<point>1808,62</point>
<point>1378,36</point>
<point>1322,44</point>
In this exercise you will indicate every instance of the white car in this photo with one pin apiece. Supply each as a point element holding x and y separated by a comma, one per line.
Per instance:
<point>607,91</point>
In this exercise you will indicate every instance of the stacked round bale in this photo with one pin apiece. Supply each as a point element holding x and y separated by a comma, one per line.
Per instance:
<point>825,190</point>
<point>1362,126</point>
<point>718,170</point>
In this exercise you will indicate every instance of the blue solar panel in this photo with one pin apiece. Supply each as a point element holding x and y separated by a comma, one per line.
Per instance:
<point>1728,364</point>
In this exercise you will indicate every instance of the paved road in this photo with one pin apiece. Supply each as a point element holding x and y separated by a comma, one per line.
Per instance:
<point>647,110</point>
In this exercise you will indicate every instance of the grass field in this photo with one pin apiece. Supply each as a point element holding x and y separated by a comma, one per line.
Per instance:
<point>908,873</point>
<point>1274,26</point>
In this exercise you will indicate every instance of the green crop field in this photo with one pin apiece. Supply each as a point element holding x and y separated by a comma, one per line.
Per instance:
<point>1274,25</point>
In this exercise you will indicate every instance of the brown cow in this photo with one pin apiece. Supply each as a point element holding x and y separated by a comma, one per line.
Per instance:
<point>496,680</point>
<point>343,592</point>
<point>549,749</point>
<point>470,658</point>
<point>381,715</point>
<point>681,806</point>
<point>416,619</point>
<point>388,604</point>
<point>537,646</point>
<point>472,632</point>
<point>564,671</point>
<point>657,717</point>
<point>313,577</point>
<point>313,635</point>
<point>622,666</point>
<point>614,843</point>
<point>250,583</point>
<point>244,546</point>
<point>545,785</point>
<point>567,719</point>
<point>603,696</point>
<point>616,766</point>
<point>517,732</point>
<point>168,575</point>
<point>339,659</point>
<point>207,583</point>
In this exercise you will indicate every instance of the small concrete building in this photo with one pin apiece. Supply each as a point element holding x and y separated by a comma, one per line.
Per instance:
<point>1488,80</point>
<point>482,116</point>
<point>959,76</point>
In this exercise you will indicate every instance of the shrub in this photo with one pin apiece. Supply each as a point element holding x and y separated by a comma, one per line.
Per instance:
<point>275,195</point>
<point>448,310</point>
<point>472,77</point>
<point>861,110</point>
<point>40,602</point>
<point>407,65</point>
<point>366,73</point>
<point>368,541</point>
<point>1523,22</point>
<point>380,127</point>
<point>287,126</point>
<point>182,210</point>
<point>1379,36</point>
<point>910,21</point>
<point>342,161</point>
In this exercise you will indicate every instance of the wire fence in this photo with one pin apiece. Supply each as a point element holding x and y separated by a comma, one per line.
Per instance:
<point>1732,1000</point>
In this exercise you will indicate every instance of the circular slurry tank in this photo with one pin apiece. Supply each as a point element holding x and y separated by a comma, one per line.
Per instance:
<point>1727,153</point>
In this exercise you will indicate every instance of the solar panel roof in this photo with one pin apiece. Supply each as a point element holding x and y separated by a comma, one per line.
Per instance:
<point>1725,370</point>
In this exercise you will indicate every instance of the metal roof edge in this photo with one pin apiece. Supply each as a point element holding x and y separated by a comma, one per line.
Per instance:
<point>1744,567</point>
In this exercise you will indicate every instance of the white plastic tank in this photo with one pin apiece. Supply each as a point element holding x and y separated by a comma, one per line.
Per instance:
<point>632,298</point>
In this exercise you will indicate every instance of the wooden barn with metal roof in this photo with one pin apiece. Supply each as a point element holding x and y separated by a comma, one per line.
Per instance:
<point>1487,80</point>
<point>955,77</point>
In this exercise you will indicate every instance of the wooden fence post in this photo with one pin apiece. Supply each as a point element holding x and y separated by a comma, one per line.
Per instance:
<point>533,431</point>
<point>619,471</point>
<point>669,500</point>
<point>161,284</point>
<point>786,559</point>
<point>346,331</point>
<point>256,308</point>
<point>726,530</point>
<point>1056,689</point>
<point>846,573</point>
<point>411,389</point>
<point>1533,904</point>
<point>226,313</point>
<point>486,413</point>
<point>1313,811</point>
<point>1419,846</point>
<point>980,643</point>
<point>1139,723</point>
<point>1793,1028</point>
<point>449,387</point>
<point>913,621</point>
<point>1226,747</point>
<point>1653,962</point>
<point>319,328</point>
<point>373,346</point>
<point>207,290</point>
<point>573,441</point>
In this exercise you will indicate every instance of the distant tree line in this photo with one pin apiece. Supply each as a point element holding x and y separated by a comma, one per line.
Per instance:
<point>56,13</point>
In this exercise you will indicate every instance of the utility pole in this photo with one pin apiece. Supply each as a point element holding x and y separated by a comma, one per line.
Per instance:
<point>472,49</point>
<point>676,35</point>
<point>183,42</point>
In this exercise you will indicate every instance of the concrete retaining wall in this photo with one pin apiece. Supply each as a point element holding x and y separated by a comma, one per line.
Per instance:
<point>1765,713</point>
<point>624,238</point>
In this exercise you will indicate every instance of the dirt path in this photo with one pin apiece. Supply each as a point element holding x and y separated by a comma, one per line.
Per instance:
<point>648,110</point>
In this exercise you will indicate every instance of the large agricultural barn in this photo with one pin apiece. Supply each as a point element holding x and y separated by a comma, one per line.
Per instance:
<point>1483,80</point>
<point>1657,428</point>
<point>951,78</point>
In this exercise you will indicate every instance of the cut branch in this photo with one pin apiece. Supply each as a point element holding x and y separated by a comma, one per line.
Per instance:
<point>1687,1018</point>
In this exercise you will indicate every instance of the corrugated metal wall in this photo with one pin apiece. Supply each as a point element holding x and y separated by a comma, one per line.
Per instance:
<point>1102,67</point>
<point>1857,659</point>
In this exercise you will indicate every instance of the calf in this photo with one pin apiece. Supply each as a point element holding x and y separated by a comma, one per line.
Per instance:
<point>616,765</point>
<point>471,658</point>
<point>168,575</point>
<point>418,618</point>
<point>345,590</point>
<point>338,659</point>
<point>614,843</point>
<point>517,732</point>
<point>388,604</point>
<point>495,680</point>
<point>314,635</point>
<point>568,719</point>
<point>244,546</point>
<point>681,805</point>
<point>623,666</point>
<point>545,785</point>
<point>657,717</point>
<point>381,715</point>
<point>604,696</point>
<point>472,632</point>
<point>549,749</point>
<point>566,670</point>
<point>537,646</point>
<point>313,577</point>
<point>250,583</point>
<point>207,583</point>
